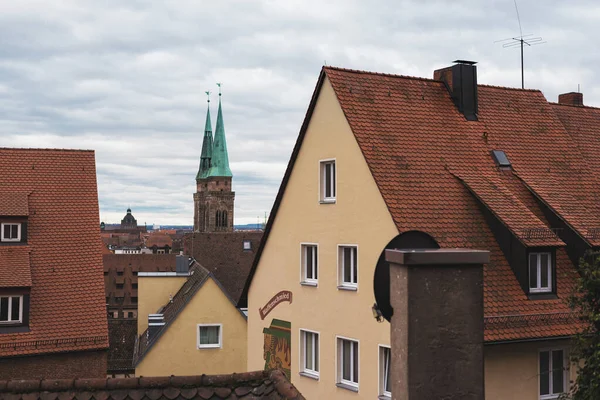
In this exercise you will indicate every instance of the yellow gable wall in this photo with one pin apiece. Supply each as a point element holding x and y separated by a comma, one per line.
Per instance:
<point>153,293</point>
<point>360,217</point>
<point>176,351</point>
<point>511,370</point>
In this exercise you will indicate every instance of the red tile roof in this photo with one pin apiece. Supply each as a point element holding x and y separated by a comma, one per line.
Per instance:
<point>14,267</point>
<point>256,385</point>
<point>159,239</point>
<point>67,305</point>
<point>432,166</point>
<point>14,204</point>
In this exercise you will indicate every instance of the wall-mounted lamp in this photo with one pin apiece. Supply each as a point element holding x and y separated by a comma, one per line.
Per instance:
<point>377,313</point>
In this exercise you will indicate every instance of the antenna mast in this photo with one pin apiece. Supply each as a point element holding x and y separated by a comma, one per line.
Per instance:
<point>520,42</point>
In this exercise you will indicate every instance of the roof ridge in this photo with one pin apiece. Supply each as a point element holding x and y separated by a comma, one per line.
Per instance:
<point>358,71</point>
<point>508,88</point>
<point>573,105</point>
<point>47,149</point>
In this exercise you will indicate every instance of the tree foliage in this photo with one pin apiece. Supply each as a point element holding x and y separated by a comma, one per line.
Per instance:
<point>585,352</point>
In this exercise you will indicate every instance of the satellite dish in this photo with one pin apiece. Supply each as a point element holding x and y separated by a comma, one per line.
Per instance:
<point>411,240</point>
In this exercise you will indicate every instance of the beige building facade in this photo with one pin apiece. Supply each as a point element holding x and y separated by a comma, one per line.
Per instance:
<point>191,326</point>
<point>330,228</point>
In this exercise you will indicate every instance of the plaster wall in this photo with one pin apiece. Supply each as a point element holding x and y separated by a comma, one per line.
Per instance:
<point>358,217</point>
<point>153,293</point>
<point>511,370</point>
<point>176,352</point>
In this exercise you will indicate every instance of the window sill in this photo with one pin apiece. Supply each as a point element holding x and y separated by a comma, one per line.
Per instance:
<point>209,346</point>
<point>313,284</point>
<point>384,397</point>
<point>347,387</point>
<point>328,201</point>
<point>349,288</point>
<point>14,328</point>
<point>310,375</point>
<point>542,296</point>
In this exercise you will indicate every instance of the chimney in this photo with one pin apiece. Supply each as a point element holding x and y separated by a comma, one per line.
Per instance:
<point>461,81</point>
<point>571,99</point>
<point>155,324</point>
<point>437,327</point>
<point>182,265</point>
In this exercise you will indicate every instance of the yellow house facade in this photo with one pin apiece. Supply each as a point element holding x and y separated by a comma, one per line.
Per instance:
<point>192,326</point>
<point>310,296</point>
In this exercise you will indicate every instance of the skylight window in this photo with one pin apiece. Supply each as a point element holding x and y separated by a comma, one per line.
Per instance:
<point>500,159</point>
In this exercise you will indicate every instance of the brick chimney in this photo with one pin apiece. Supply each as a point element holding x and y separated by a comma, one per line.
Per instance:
<point>437,327</point>
<point>461,80</point>
<point>571,98</point>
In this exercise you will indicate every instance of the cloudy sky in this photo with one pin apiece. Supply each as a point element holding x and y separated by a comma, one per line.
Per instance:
<point>127,78</point>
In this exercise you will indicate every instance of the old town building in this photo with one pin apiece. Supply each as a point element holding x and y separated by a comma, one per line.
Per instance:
<point>394,162</point>
<point>52,311</point>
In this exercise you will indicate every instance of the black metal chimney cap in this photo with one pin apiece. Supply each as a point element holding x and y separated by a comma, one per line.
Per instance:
<point>465,62</point>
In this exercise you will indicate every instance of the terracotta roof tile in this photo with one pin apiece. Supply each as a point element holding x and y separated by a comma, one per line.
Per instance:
<point>67,306</point>
<point>248,385</point>
<point>14,204</point>
<point>415,171</point>
<point>14,266</point>
<point>159,239</point>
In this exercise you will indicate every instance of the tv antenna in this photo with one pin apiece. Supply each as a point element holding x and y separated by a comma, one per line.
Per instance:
<point>521,41</point>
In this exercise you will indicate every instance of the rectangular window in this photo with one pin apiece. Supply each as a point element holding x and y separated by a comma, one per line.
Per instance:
<point>385,359</point>
<point>553,374</point>
<point>247,245</point>
<point>328,181</point>
<point>209,336</point>
<point>11,309</point>
<point>310,263</point>
<point>11,232</point>
<point>540,272</point>
<point>348,266</point>
<point>309,347</point>
<point>347,361</point>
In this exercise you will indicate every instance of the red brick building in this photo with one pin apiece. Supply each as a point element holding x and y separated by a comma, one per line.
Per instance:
<point>52,307</point>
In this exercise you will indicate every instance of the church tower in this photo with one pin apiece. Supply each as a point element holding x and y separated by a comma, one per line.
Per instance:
<point>213,200</point>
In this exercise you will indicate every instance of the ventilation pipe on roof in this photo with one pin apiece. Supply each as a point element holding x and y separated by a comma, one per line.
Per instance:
<point>571,98</point>
<point>155,324</point>
<point>461,81</point>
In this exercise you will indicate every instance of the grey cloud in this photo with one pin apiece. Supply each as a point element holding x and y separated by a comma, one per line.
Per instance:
<point>127,79</point>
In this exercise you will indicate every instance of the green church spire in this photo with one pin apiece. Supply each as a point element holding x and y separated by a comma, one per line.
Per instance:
<point>220,158</point>
<point>207,145</point>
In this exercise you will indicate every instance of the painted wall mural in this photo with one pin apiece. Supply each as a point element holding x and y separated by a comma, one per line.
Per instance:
<point>277,346</point>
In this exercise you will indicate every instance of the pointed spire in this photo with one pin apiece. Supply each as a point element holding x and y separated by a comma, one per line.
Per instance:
<point>220,158</point>
<point>207,145</point>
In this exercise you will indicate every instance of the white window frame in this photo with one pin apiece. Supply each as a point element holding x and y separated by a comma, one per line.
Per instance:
<point>304,371</point>
<point>565,373</point>
<point>538,255</point>
<point>341,382</point>
<point>381,372</point>
<point>209,346</point>
<point>340,261</point>
<point>304,280</point>
<point>4,239</point>
<point>322,181</point>
<point>13,321</point>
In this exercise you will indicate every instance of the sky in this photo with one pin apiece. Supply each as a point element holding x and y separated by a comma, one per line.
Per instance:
<point>128,78</point>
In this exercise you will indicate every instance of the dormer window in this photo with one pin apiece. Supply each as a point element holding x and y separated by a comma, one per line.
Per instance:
<point>540,272</point>
<point>10,232</point>
<point>11,309</point>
